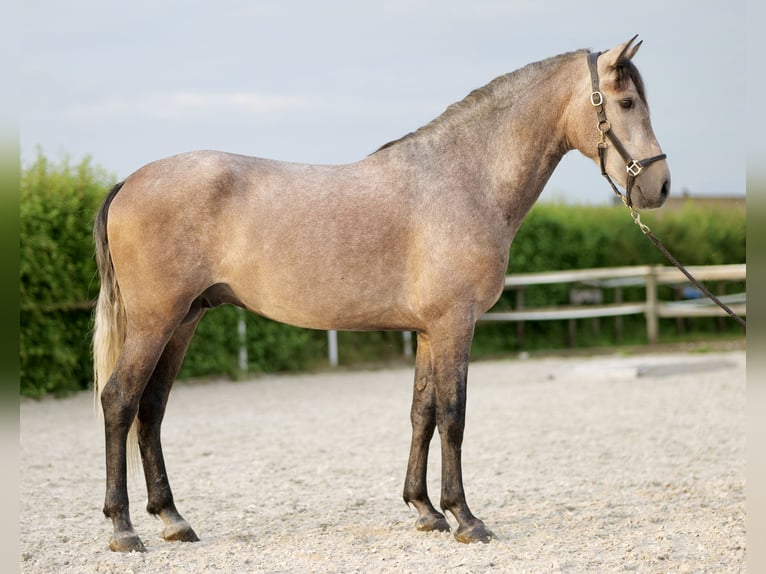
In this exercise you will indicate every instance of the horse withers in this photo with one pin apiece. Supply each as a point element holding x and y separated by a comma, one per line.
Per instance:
<point>413,237</point>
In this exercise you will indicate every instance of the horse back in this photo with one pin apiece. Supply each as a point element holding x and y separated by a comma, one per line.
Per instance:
<point>357,246</point>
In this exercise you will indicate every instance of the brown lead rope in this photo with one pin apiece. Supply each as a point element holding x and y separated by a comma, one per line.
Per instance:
<point>653,238</point>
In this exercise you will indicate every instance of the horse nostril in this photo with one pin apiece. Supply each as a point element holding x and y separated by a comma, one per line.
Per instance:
<point>665,191</point>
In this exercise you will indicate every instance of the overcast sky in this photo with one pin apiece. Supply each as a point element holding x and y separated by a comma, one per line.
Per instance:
<point>330,81</point>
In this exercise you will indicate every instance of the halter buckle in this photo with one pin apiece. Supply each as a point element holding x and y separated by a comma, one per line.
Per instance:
<point>596,99</point>
<point>634,168</point>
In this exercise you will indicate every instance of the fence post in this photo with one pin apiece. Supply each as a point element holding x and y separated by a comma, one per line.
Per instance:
<point>332,348</point>
<point>652,324</point>
<point>407,343</point>
<point>618,318</point>
<point>520,324</point>
<point>242,332</point>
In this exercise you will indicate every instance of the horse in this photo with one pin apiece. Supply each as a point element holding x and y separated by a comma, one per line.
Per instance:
<point>414,236</point>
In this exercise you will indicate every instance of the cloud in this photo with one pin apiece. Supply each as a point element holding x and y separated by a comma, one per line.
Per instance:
<point>188,105</point>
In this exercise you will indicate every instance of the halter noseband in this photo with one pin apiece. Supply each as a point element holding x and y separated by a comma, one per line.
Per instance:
<point>634,167</point>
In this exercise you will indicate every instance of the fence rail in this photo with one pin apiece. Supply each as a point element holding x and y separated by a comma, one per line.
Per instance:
<point>649,276</point>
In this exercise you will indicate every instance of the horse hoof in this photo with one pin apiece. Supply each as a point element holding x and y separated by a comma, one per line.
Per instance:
<point>432,522</point>
<point>180,532</point>
<point>127,543</point>
<point>475,533</point>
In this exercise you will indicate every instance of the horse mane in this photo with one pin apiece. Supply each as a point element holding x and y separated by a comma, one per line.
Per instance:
<point>503,92</point>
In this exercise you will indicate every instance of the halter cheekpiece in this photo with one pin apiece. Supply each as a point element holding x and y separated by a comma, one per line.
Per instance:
<point>634,167</point>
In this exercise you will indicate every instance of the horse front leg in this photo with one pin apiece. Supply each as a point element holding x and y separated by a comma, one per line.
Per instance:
<point>450,383</point>
<point>150,415</point>
<point>423,418</point>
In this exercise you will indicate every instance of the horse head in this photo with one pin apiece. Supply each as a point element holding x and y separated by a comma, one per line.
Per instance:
<point>615,129</point>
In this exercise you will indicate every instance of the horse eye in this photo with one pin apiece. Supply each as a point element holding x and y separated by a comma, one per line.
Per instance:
<point>626,104</point>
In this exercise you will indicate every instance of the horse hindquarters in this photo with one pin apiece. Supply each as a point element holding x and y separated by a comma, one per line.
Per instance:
<point>135,363</point>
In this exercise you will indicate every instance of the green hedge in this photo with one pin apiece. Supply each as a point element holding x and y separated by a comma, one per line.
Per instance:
<point>58,280</point>
<point>57,273</point>
<point>271,346</point>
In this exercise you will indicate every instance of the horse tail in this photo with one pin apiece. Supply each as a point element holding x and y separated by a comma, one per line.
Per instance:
<point>110,324</point>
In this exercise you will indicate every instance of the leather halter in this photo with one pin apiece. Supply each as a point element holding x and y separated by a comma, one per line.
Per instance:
<point>634,167</point>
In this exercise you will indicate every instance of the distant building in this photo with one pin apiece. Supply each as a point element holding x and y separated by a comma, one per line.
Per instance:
<point>679,200</point>
<point>725,201</point>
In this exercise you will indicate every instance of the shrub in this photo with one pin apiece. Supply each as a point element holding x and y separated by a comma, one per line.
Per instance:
<point>57,273</point>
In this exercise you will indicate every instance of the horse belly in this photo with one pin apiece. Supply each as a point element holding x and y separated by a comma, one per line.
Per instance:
<point>322,302</point>
<point>384,284</point>
<point>312,276</point>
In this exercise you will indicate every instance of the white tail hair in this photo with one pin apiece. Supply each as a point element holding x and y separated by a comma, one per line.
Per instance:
<point>110,324</point>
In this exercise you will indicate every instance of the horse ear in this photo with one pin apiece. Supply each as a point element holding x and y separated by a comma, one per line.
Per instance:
<point>628,50</point>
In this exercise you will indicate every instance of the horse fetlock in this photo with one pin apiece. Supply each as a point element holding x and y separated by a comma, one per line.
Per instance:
<point>161,504</point>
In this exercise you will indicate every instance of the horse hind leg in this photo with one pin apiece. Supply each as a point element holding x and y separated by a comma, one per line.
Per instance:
<point>120,399</point>
<point>150,415</point>
<point>423,418</point>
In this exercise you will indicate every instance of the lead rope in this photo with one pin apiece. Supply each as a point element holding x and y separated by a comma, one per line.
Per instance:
<point>653,238</point>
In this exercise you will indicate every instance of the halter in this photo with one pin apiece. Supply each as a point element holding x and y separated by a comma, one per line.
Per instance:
<point>633,166</point>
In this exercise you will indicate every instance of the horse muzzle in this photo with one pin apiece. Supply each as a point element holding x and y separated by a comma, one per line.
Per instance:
<point>650,188</point>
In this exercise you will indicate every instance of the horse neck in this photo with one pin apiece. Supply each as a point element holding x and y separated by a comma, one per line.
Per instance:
<point>525,147</point>
<point>503,153</point>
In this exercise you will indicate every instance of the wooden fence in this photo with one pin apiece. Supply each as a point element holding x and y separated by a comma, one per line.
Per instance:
<point>589,283</point>
<point>649,276</point>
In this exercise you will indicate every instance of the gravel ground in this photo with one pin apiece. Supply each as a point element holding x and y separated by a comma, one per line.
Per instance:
<point>603,464</point>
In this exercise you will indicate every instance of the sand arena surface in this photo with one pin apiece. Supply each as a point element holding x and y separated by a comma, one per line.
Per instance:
<point>603,464</point>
